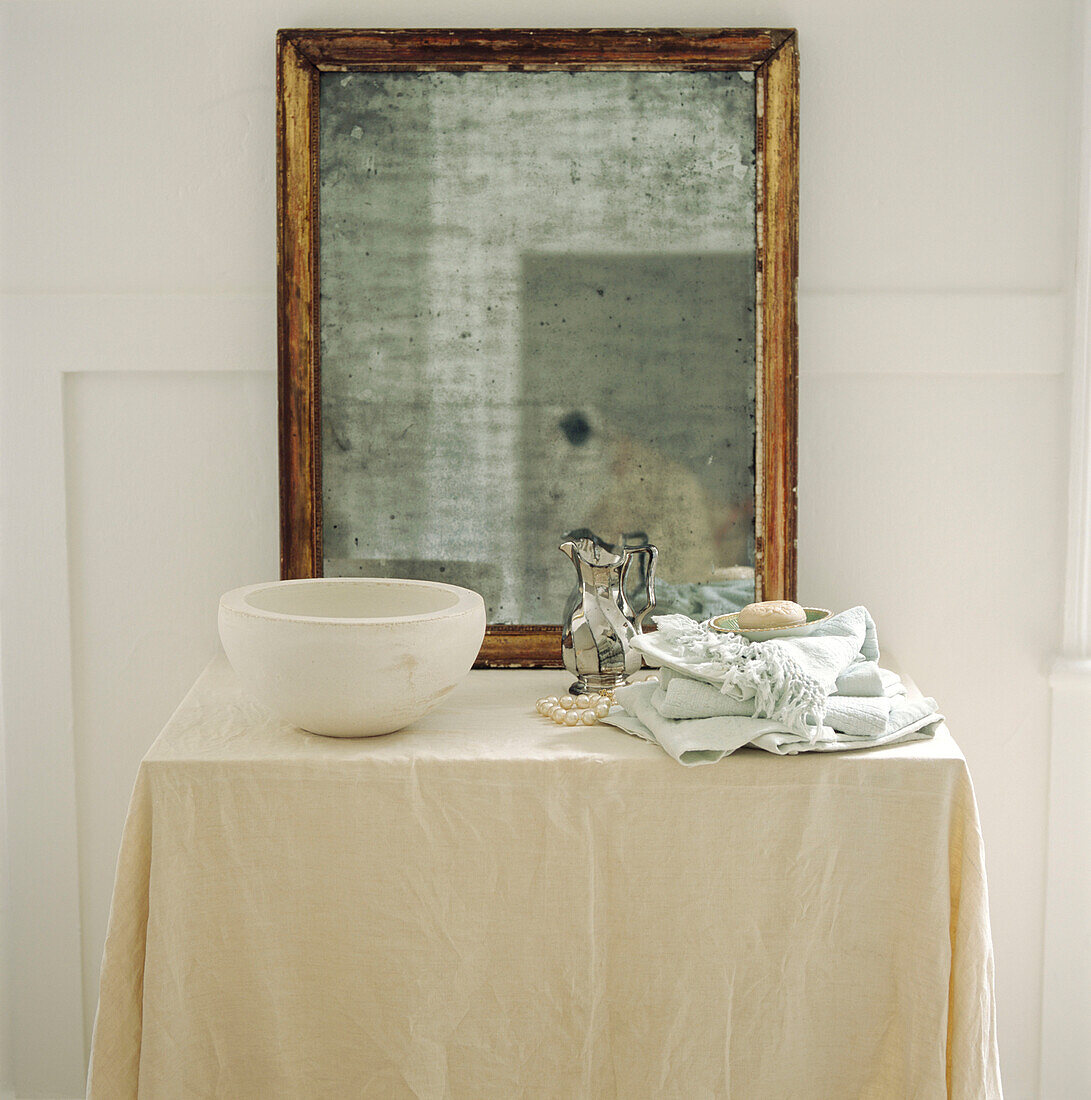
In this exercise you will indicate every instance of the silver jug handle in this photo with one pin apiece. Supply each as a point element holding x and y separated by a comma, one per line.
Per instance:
<point>649,580</point>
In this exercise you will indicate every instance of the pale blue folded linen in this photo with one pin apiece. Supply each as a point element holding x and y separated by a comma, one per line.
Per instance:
<point>788,680</point>
<point>705,740</point>
<point>862,678</point>
<point>679,697</point>
<point>718,692</point>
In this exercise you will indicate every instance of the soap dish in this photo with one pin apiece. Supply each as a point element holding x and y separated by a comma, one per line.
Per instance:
<point>729,624</point>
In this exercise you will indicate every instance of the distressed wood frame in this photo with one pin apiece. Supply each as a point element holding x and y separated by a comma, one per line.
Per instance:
<point>771,55</point>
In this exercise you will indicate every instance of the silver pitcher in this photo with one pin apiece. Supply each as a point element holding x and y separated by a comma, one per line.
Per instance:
<point>599,628</point>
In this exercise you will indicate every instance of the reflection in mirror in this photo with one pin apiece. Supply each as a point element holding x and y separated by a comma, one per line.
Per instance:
<point>538,316</point>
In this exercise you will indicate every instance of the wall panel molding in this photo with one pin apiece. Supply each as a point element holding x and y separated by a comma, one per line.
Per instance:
<point>947,332</point>
<point>43,337</point>
<point>1066,963</point>
<point>142,332</point>
<point>47,1039</point>
<point>171,492</point>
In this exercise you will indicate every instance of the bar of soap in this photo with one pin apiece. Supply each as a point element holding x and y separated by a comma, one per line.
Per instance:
<point>771,613</point>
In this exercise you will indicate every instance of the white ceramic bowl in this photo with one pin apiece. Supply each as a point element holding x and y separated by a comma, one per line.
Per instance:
<point>351,657</point>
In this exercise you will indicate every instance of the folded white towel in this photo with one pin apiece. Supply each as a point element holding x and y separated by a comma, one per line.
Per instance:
<point>787,679</point>
<point>679,697</point>
<point>861,678</point>
<point>705,740</point>
<point>718,692</point>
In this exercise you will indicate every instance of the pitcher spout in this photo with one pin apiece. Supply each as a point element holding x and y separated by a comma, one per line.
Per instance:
<point>588,547</point>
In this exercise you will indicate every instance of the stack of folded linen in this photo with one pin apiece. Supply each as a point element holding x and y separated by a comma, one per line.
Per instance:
<point>821,693</point>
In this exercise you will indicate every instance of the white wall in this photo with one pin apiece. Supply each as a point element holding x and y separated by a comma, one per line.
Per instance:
<point>7,1078</point>
<point>137,351</point>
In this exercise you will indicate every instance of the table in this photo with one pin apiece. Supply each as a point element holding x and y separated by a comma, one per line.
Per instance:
<point>489,905</point>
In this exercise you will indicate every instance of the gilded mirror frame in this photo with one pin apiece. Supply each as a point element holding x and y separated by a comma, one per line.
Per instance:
<point>771,55</point>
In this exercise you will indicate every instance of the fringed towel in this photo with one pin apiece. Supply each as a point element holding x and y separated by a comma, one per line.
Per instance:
<point>718,692</point>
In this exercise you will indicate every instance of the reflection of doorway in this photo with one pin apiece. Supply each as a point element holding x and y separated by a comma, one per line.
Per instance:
<point>636,410</point>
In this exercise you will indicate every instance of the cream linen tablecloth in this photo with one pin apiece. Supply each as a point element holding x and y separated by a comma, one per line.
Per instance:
<point>493,906</point>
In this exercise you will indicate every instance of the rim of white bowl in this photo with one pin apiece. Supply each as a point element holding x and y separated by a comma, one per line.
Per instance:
<point>237,601</point>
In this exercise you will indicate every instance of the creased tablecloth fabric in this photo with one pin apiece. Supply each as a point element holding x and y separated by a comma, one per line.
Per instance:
<point>489,905</point>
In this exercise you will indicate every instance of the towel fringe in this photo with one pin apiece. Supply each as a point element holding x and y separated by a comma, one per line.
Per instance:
<point>782,691</point>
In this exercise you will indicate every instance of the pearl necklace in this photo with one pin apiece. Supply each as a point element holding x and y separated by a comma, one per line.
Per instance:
<point>576,710</point>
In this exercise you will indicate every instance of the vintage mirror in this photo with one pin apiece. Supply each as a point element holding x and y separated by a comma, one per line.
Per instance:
<point>531,283</point>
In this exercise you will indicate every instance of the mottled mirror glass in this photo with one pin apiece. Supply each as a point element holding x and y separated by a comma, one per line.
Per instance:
<point>537,316</point>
